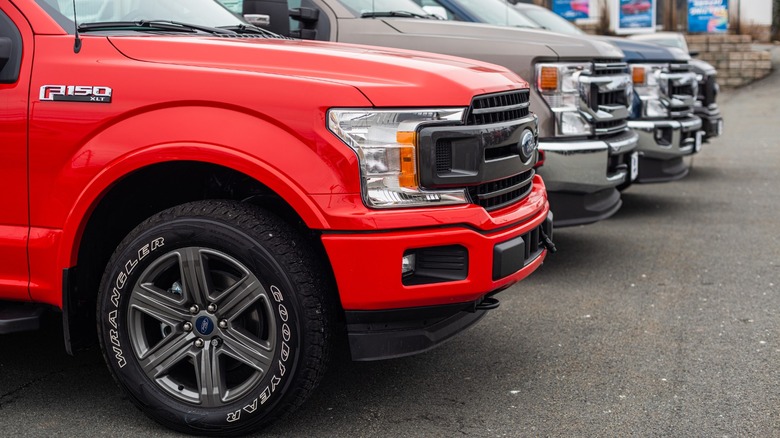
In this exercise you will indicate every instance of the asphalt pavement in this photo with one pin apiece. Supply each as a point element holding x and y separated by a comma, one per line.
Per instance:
<point>662,321</point>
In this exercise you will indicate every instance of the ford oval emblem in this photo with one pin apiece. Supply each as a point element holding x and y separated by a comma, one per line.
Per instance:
<point>527,145</point>
<point>204,325</point>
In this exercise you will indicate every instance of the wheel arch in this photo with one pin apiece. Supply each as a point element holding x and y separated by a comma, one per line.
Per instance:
<point>111,207</point>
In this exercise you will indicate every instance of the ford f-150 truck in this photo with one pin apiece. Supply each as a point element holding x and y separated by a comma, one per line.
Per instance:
<point>224,204</point>
<point>581,89</point>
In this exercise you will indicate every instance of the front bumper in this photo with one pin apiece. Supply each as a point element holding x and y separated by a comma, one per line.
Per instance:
<point>582,176</point>
<point>712,121</point>
<point>662,146</point>
<point>494,262</point>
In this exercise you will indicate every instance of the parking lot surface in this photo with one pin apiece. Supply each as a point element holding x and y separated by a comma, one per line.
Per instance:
<point>662,321</point>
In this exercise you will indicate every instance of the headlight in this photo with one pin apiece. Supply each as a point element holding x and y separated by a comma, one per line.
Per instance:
<point>560,87</point>
<point>386,146</point>
<point>650,88</point>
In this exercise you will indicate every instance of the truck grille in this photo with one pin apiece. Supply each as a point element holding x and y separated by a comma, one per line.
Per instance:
<point>608,96</point>
<point>499,107</point>
<point>608,68</point>
<point>684,90</point>
<point>496,194</point>
<point>610,126</point>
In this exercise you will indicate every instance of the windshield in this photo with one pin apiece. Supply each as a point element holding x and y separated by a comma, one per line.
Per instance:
<point>360,7</point>
<point>197,12</point>
<point>495,12</point>
<point>551,21</point>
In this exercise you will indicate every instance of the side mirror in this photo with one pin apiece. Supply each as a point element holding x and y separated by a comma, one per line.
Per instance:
<point>259,20</point>
<point>305,15</point>
<point>694,53</point>
<point>437,11</point>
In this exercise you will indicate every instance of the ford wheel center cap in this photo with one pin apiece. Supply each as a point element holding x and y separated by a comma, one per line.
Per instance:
<point>204,325</point>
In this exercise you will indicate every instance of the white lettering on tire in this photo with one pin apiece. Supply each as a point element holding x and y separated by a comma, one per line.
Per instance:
<point>276,380</point>
<point>116,294</point>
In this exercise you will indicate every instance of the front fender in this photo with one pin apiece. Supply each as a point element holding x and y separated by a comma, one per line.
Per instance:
<point>291,166</point>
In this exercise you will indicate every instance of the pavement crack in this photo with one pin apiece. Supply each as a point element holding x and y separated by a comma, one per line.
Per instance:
<point>8,397</point>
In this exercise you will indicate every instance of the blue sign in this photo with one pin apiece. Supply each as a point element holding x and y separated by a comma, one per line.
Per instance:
<point>636,14</point>
<point>710,16</point>
<point>572,9</point>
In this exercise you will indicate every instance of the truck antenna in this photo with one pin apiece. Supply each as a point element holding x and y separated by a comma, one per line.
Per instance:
<point>77,43</point>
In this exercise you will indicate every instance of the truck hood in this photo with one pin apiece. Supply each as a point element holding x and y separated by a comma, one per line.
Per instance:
<point>637,51</point>
<point>702,67</point>
<point>387,77</point>
<point>563,46</point>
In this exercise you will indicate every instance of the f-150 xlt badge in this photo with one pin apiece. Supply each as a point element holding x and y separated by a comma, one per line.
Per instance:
<point>76,93</point>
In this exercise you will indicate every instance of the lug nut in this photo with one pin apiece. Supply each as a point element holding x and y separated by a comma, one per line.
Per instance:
<point>223,324</point>
<point>215,342</point>
<point>187,326</point>
<point>199,343</point>
<point>212,308</point>
<point>194,309</point>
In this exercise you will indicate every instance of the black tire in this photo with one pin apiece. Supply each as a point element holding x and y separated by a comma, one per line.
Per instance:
<point>223,371</point>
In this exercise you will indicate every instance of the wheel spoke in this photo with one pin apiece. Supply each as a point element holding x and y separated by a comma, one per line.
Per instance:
<point>210,379</point>
<point>172,349</point>
<point>147,300</point>
<point>248,351</point>
<point>240,297</point>
<point>193,275</point>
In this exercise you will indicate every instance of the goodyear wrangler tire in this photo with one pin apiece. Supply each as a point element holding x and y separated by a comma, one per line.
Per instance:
<point>214,317</point>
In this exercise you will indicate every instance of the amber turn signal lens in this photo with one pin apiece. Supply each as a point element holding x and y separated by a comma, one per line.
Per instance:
<point>408,175</point>
<point>638,75</point>
<point>548,79</point>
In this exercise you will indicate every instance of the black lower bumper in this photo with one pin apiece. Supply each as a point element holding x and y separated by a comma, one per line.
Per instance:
<point>655,171</point>
<point>583,208</point>
<point>387,334</point>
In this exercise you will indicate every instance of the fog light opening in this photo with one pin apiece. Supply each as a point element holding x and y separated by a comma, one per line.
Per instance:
<point>407,265</point>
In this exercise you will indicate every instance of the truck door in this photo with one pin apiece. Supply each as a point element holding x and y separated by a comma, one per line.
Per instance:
<point>15,63</point>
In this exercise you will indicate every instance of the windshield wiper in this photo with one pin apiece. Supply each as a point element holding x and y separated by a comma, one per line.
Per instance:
<point>405,14</point>
<point>155,25</point>
<point>250,29</point>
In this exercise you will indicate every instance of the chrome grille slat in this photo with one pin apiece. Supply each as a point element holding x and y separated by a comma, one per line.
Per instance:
<point>607,94</point>
<point>499,107</point>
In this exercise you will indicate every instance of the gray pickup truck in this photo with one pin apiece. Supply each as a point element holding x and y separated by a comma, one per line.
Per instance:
<point>666,89</point>
<point>581,90</point>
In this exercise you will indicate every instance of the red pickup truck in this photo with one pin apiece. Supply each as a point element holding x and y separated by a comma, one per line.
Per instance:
<point>224,204</point>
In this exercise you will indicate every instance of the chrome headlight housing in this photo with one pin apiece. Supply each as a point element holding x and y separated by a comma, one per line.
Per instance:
<point>559,85</point>
<point>386,143</point>
<point>651,89</point>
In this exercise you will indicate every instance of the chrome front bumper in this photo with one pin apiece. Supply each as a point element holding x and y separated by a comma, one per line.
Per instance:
<point>582,166</point>
<point>662,146</point>
<point>712,121</point>
<point>580,183</point>
<point>666,139</point>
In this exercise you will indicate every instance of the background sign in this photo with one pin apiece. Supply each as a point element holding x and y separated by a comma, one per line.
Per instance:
<point>634,16</point>
<point>708,16</point>
<point>572,9</point>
